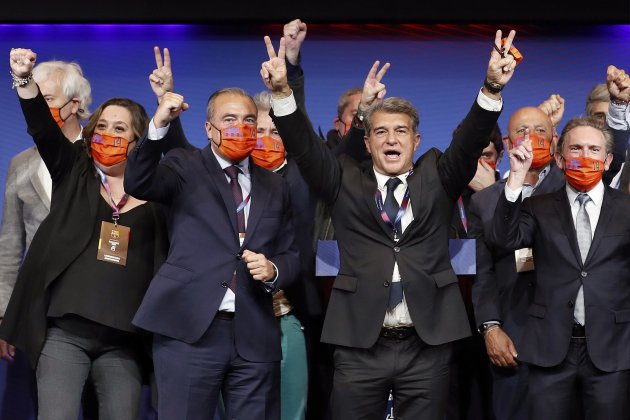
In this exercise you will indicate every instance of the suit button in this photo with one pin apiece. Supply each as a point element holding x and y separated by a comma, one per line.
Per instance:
<point>396,249</point>
<point>224,284</point>
<point>386,283</point>
<point>238,256</point>
<point>570,304</point>
<point>583,274</point>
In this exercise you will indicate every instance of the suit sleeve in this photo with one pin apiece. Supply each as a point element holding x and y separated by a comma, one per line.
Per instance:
<point>317,163</point>
<point>485,292</point>
<point>458,163</point>
<point>620,138</point>
<point>147,176</point>
<point>513,225</point>
<point>56,151</point>
<point>12,238</point>
<point>287,256</point>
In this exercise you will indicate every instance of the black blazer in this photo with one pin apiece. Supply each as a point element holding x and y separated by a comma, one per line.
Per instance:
<point>499,292</point>
<point>185,294</point>
<point>63,235</point>
<point>367,248</point>
<point>545,223</point>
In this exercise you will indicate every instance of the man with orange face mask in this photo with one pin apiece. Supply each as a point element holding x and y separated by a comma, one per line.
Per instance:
<point>232,246</point>
<point>500,292</point>
<point>576,330</point>
<point>28,189</point>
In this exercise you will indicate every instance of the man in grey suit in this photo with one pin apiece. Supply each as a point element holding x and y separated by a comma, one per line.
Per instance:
<point>27,198</point>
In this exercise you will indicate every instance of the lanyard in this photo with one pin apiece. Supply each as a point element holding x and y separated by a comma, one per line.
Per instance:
<point>462,213</point>
<point>378,197</point>
<point>115,207</point>
<point>241,206</point>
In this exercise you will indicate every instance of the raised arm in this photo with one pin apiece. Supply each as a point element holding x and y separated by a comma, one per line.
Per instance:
<point>146,177</point>
<point>458,164</point>
<point>162,82</point>
<point>353,143</point>
<point>618,84</point>
<point>56,151</point>
<point>317,163</point>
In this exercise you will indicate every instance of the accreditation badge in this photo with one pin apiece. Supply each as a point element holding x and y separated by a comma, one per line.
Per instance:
<point>113,243</point>
<point>524,260</point>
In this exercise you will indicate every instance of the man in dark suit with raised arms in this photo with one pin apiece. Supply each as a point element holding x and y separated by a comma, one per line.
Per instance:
<point>395,308</point>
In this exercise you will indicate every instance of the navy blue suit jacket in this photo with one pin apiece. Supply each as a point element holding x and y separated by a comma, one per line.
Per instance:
<point>204,252</point>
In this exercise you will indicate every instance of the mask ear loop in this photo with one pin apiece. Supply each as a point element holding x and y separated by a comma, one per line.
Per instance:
<point>62,107</point>
<point>220,136</point>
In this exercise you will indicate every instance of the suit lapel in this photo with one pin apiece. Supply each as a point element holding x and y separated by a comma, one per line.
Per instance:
<point>605,215</point>
<point>34,161</point>
<point>415,192</point>
<point>563,209</point>
<point>217,178</point>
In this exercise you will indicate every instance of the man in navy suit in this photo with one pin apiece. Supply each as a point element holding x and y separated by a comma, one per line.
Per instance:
<point>231,245</point>
<point>578,327</point>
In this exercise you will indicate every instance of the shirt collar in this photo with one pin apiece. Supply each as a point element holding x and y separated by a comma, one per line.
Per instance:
<point>596,193</point>
<point>381,179</point>
<point>243,165</point>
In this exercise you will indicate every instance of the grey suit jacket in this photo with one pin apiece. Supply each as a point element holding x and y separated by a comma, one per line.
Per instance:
<point>25,206</point>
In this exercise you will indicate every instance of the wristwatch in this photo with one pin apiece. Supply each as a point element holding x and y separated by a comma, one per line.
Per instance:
<point>359,119</point>
<point>493,87</point>
<point>483,328</point>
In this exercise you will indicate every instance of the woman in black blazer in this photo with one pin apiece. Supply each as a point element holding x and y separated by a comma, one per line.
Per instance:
<point>89,263</point>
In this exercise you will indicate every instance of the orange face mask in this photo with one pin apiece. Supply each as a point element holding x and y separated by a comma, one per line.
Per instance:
<point>107,149</point>
<point>490,163</point>
<point>540,148</point>
<point>238,141</point>
<point>583,173</point>
<point>56,113</point>
<point>269,152</point>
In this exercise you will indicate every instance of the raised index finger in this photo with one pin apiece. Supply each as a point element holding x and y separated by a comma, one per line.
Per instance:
<point>158,57</point>
<point>270,50</point>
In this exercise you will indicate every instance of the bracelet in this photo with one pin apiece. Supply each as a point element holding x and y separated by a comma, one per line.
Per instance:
<point>20,81</point>
<point>619,102</point>
<point>493,87</point>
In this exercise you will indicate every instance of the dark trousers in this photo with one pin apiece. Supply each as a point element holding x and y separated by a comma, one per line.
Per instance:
<point>415,372</point>
<point>510,394</point>
<point>190,376</point>
<point>577,389</point>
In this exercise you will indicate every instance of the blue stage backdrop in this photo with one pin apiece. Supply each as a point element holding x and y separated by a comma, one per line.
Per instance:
<point>440,70</point>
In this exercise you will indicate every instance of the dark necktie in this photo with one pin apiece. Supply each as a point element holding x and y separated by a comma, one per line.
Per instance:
<point>391,208</point>
<point>237,194</point>
<point>391,205</point>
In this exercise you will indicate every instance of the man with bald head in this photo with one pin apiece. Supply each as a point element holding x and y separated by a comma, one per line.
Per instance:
<point>502,290</point>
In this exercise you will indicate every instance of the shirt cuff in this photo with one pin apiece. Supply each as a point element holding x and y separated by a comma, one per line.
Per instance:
<point>489,104</point>
<point>157,133</point>
<point>283,107</point>
<point>270,285</point>
<point>512,195</point>
<point>618,117</point>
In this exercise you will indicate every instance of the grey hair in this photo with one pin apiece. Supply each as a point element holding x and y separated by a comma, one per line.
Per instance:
<point>73,83</point>
<point>344,99</point>
<point>263,101</point>
<point>393,105</point>
<point>599,93</point>
<point>216,94</point>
